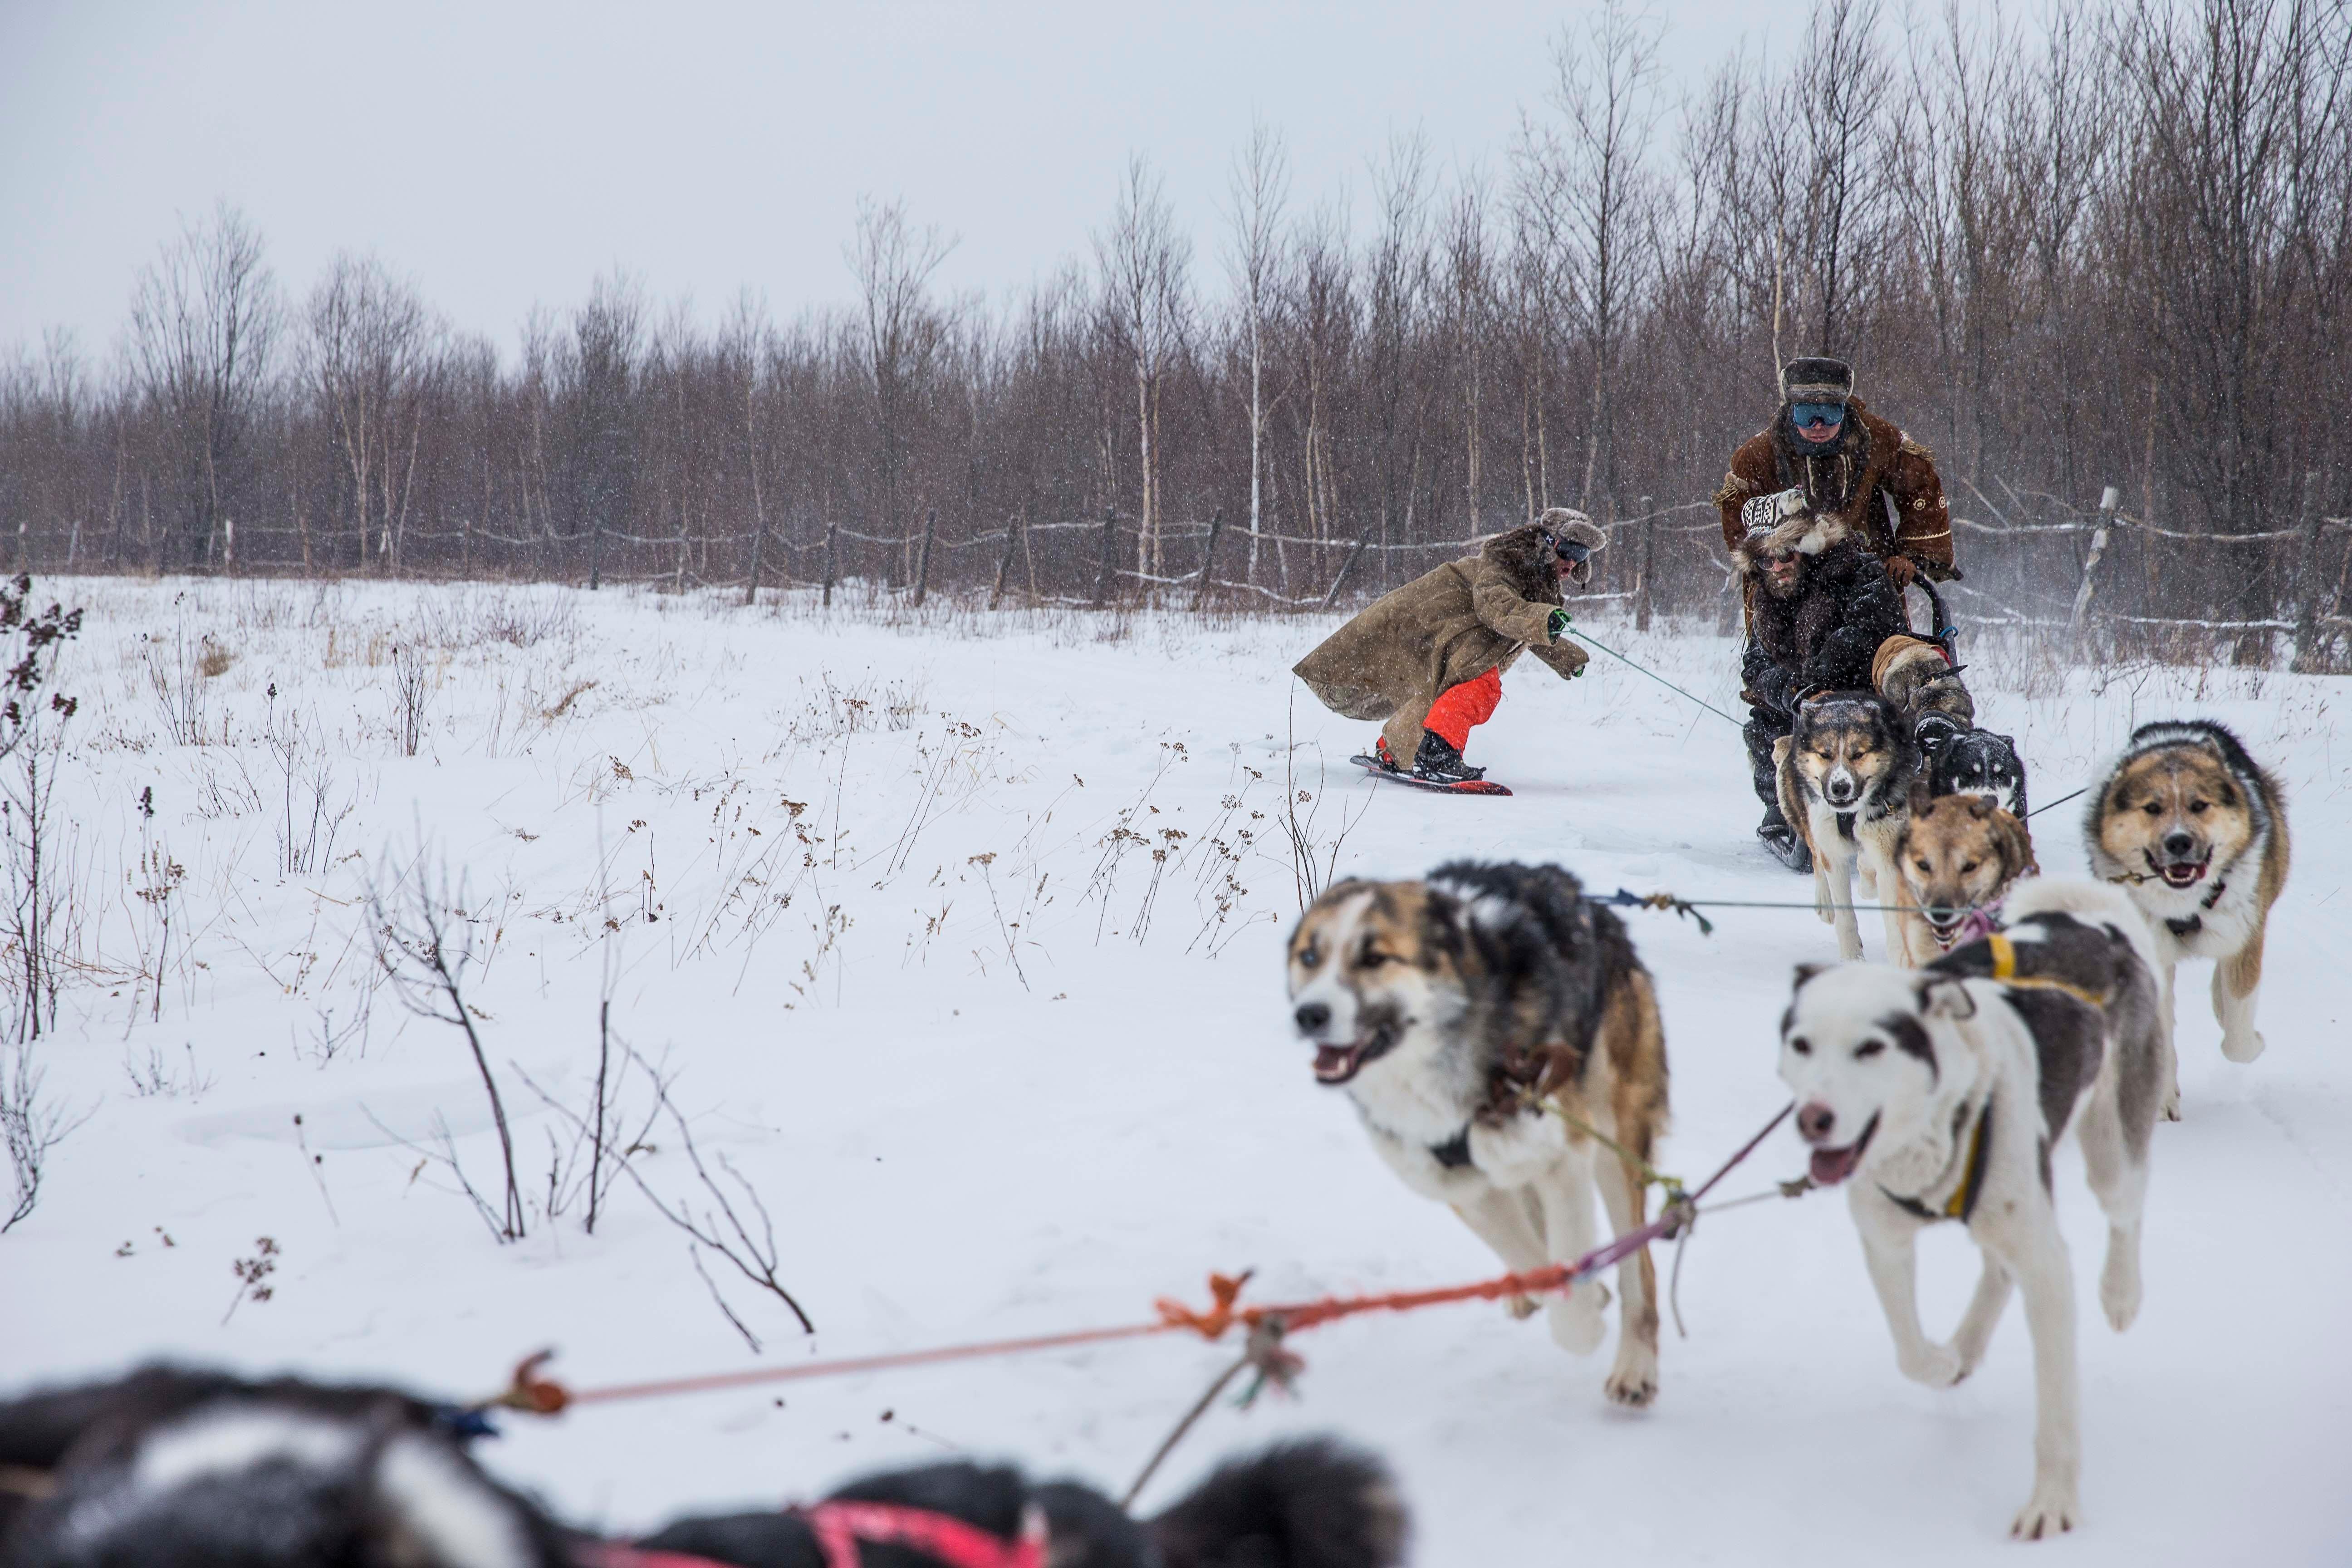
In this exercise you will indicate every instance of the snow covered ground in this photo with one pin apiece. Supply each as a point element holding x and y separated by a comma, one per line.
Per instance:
<point>886,895</point>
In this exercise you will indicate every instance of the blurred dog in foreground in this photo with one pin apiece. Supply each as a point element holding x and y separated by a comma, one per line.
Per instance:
<point>171,1469</point>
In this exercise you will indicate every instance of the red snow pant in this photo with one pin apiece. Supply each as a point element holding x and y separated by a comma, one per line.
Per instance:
<point>1462,707</point>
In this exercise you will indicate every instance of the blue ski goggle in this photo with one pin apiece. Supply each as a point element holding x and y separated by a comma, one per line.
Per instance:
<point>1803,414</point>
<point>1574,552</point>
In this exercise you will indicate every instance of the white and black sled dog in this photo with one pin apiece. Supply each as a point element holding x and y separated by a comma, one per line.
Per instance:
<point>1941,1092</point>
<point>1482,1021</point>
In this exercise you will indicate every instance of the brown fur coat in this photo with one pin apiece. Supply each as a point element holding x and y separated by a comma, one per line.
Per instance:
<point>1443,627</point>
<point>1870,456</point>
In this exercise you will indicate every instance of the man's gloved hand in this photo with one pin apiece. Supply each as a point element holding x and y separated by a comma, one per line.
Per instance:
<point>1576,659</point>
<point>1902,569</point>
<point>1556,624</point>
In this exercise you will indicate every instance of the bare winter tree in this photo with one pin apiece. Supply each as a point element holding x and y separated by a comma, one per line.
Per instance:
<point>904,333</point>
<point>1470,304</point>
<point>1836,104</point>
<point>1143,259</point>
<point>2244,156</point>
<point>371,351</point>
<point>204,321</point>
<point>1604,91</point>
<point>1259,191</point>
<point>594,396</point>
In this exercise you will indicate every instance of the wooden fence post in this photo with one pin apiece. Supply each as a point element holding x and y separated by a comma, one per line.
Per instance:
<point>1004,565</point>
<point>1208,559</point>
<point>1649,567</point>
<point>2307,660</point>
<point>1363,539</point>
<point>759,539</point>
<point>1109,543</point>
<point>831,555</point>
<point>923,570</point>
<point>2109,500</point>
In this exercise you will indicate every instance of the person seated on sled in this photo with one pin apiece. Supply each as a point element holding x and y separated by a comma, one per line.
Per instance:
<point>1819,607</point>
<point>1842,463</point>
<point>1429,658</point>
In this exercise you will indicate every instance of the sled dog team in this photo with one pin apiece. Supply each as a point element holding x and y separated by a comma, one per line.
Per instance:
<point>1501,1042</point>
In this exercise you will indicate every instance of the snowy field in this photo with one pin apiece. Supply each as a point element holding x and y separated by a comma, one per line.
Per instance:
<point>959,936</point>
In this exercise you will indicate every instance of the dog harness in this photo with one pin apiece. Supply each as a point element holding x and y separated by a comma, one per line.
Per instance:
<point>1963,1200</point>
<point>840,1526</point>
<point>2004,969</point>
<point>2191,925</point>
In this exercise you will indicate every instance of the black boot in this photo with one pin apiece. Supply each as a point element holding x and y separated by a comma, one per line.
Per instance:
<point>1782,841</point>
<point>1760,730</point>
<point>1439,763</point>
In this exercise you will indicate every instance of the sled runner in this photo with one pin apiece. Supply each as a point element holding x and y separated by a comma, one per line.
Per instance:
<point>1380,770</point>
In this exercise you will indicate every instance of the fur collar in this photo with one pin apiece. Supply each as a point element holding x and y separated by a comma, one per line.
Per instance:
<point>1808,533</point>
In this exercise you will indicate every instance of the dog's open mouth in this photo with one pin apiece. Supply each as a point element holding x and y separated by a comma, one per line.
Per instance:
<point>1337,1064</point>
<point>1830,1166</point>
<point>1946,928</point>
<point>2182,873</point>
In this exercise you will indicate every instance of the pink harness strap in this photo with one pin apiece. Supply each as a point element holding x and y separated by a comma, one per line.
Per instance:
<point>841,1525</point>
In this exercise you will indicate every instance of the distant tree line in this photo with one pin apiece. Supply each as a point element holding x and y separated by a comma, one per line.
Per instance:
<point>2108,250</point>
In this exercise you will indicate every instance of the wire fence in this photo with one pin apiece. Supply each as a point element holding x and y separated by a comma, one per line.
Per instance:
<point>2108,578</point>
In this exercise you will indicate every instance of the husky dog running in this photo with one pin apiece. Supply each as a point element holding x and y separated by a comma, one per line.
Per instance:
<point>2195,830</point>
<point>173,1468</point>
<point>1957,857</point>
<point>1451,1011</point>
<point>1943,1092</point>
<point>1845,772</point>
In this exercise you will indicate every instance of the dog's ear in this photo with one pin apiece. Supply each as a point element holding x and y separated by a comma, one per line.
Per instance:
<point>1978,806</point>
<point>1442,934</point>
<point>2017,844</point>
<point>1922,798</point>
<point>1946,996</point>
<point>1805,971</point>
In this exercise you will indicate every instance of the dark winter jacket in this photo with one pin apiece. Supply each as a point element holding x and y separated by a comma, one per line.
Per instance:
<point>1876,481</point>
<point>1447,627</point>
<point>1823,636</point>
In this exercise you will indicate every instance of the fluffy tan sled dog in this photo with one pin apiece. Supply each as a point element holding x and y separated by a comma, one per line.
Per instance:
<point>1958,853</point>
<point>1449,1011</point>
<point>2195,830</point>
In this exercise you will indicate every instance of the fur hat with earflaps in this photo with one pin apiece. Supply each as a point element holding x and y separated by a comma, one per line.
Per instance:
<point>1781,524</point>
<point>1565,526</point>
<point>1816,381</point>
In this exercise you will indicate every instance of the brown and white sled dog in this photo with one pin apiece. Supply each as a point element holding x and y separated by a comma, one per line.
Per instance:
<point>1957,857</point>
<point>1942,1093</point>
<point>1449,1011</point>
<point>1845,773</point>
<point>2195,830</point>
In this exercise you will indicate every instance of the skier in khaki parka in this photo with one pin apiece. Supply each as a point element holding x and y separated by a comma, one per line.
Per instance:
<point>1429,658</point>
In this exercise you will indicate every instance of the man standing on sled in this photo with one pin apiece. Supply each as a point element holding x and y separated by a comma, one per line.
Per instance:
<point>1429,658</point>
<point>1825,455</point>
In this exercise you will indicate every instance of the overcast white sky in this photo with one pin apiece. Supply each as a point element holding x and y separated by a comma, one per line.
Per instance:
<point>504,154</point>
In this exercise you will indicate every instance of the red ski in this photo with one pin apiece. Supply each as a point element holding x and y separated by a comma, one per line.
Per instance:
<point>1380,770</point>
